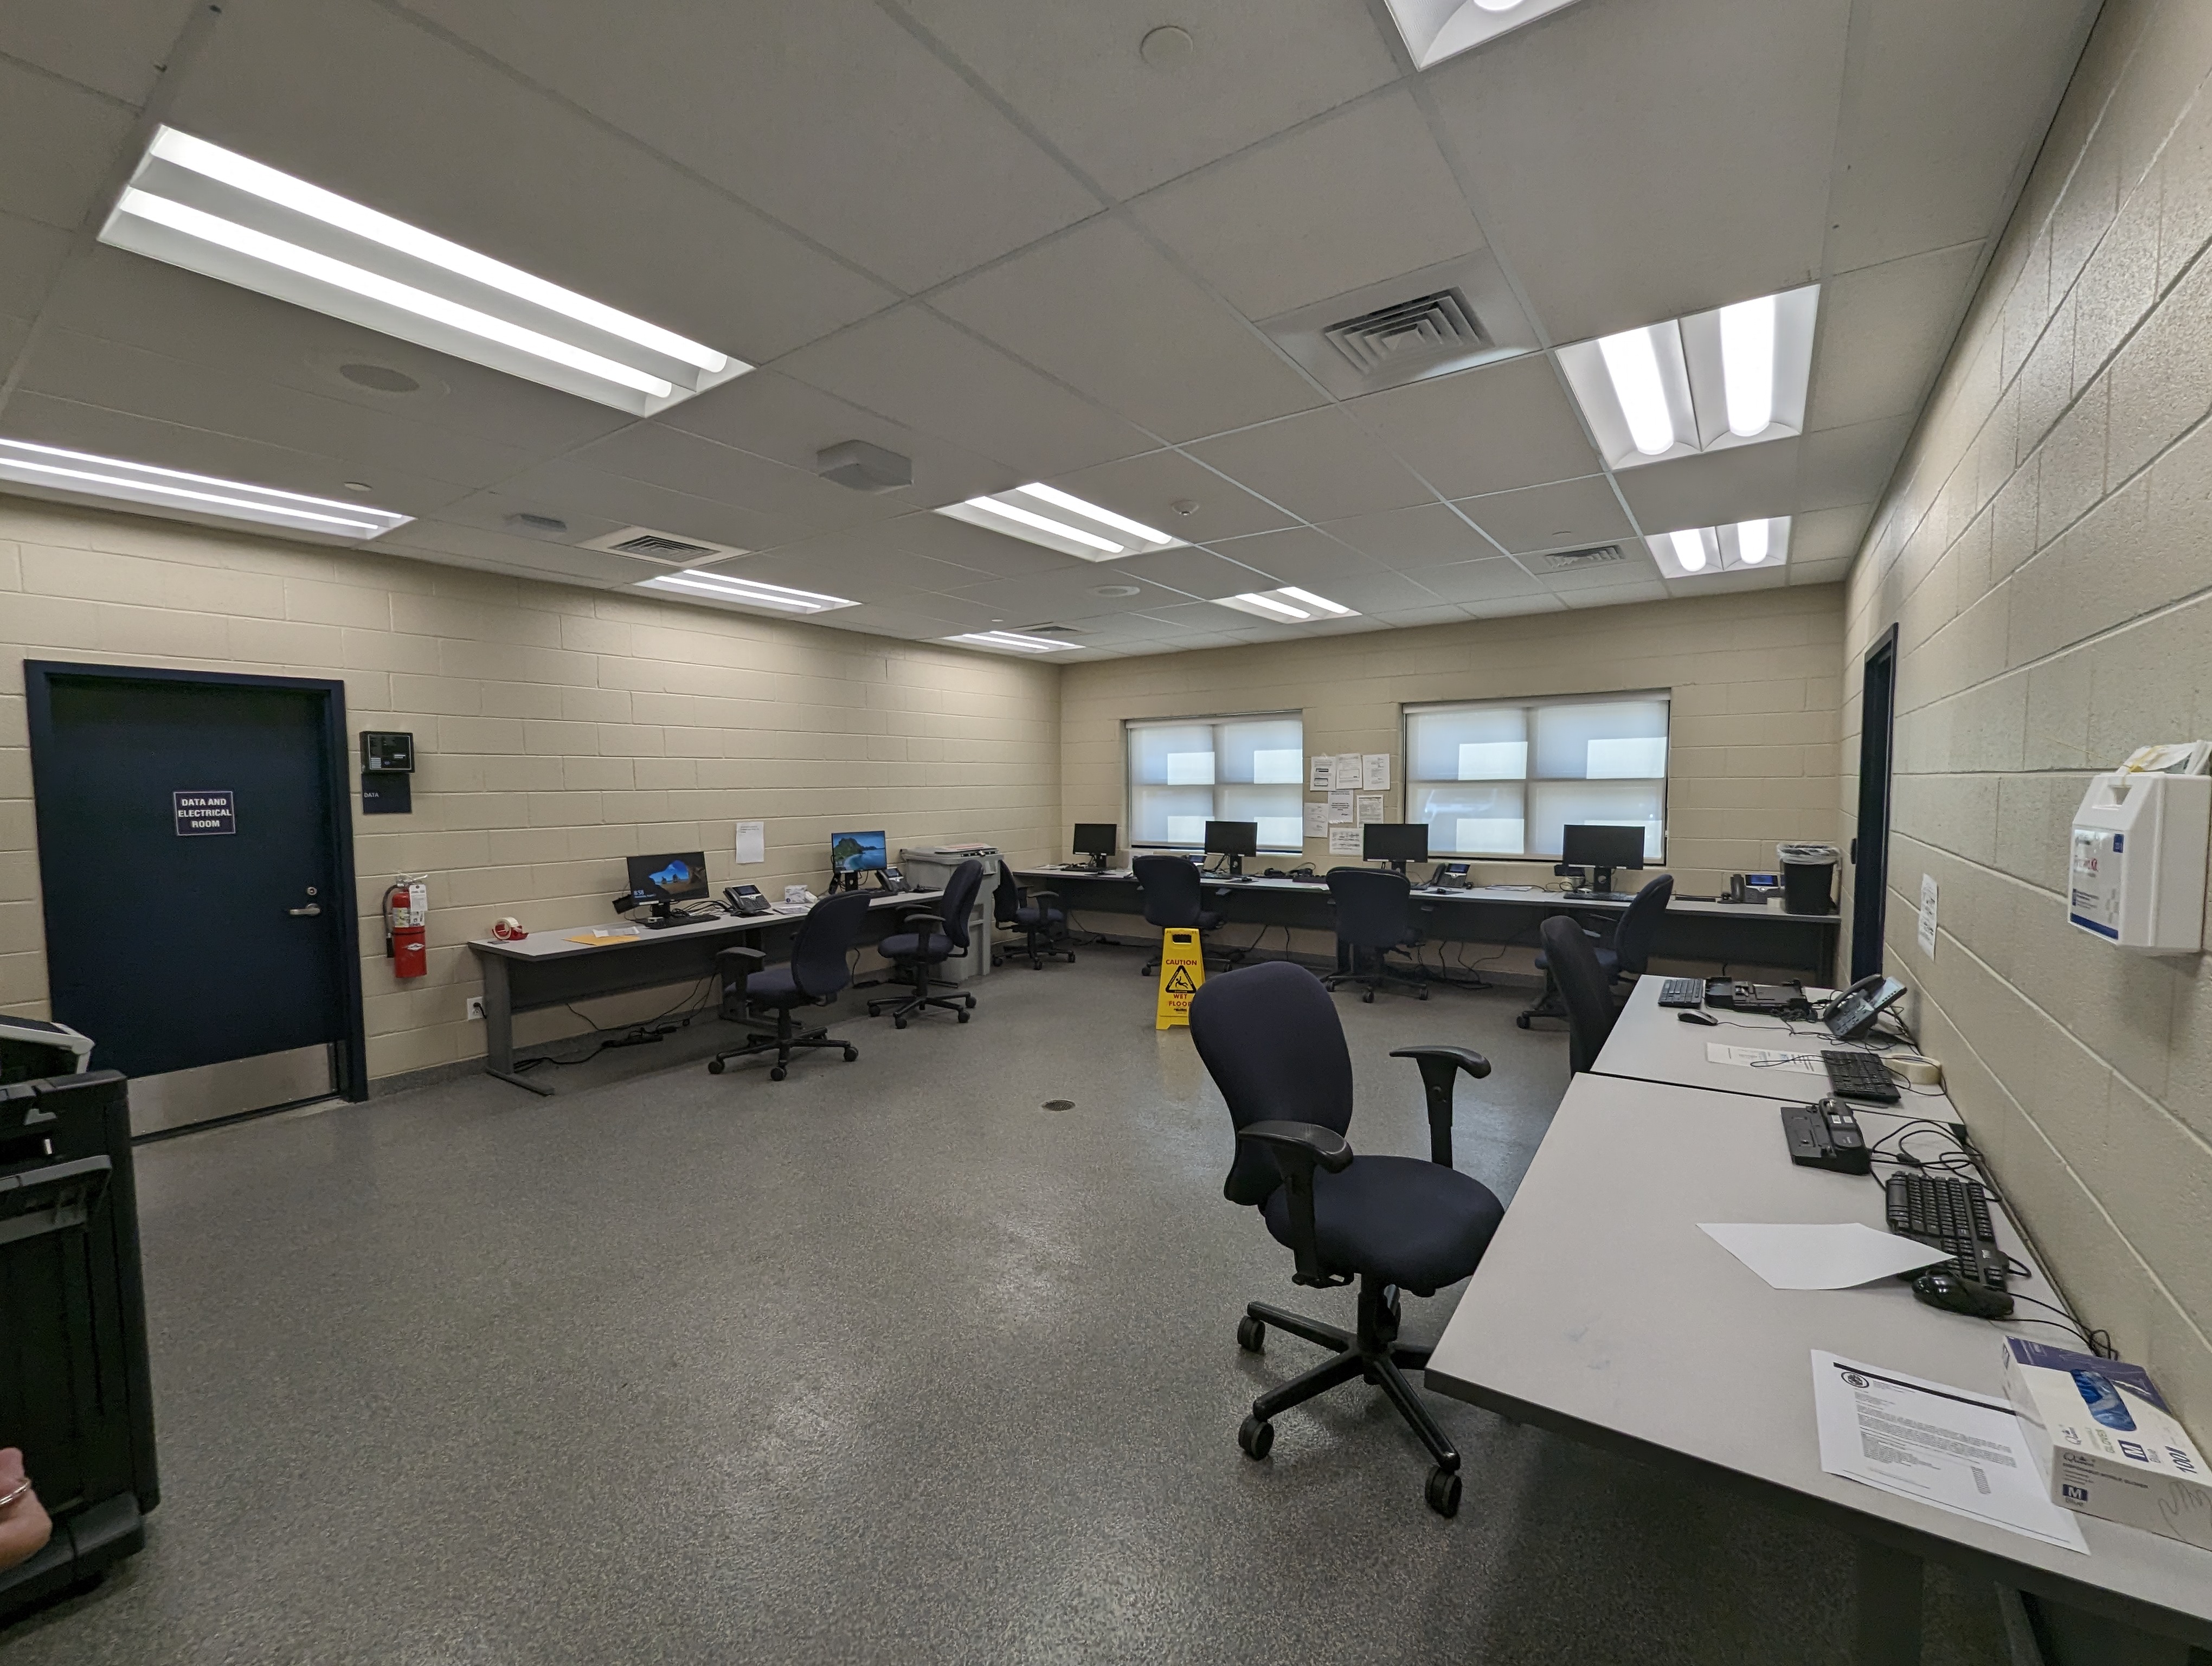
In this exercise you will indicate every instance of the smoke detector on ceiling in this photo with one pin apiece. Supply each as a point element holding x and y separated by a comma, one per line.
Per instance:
<point>1429,323</point>
<point>864,467</point>
<point>644,544</point>
<point>1562,561</point>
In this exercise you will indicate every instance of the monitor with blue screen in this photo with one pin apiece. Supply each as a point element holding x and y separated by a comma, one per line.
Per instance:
<point>857,853</point>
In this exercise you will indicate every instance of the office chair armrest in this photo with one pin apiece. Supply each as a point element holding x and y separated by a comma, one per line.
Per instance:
<point>1034,897</point>
<point>731,961</point>
<point>1440,1067</point>
<point>916,918</point>
<point>1298,1149</point>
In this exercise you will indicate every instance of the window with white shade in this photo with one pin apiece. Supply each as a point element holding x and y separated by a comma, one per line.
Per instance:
<point>1502,778</point>
<point>1185,772</point>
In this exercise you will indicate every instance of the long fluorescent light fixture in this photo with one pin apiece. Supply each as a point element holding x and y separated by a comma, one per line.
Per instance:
<point>697,586</point>
<point>82,474</point>
<point>1742,546</point>
<point>1010,641</point>
<point>1288,605</point>
<point>1061,520</point>
<point>197,205</point>
<point>1734,376</point>
<point>1435,29</point>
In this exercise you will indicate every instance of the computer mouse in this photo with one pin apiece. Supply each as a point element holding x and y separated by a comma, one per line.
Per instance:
<point>1705,1019</point>
<point>1954,1294</point>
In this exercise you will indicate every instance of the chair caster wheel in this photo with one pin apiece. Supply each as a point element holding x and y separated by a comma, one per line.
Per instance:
<point>1522,1020</point>
<point>1255,1438</point>
<point>1369,997</point>
<point>715,1067</point>
<point>971,1003</point>
<point>899,1024</point>
<point>1251,1334</point>
<point>777,1072</point>
<point>1443,1492</point>
<point>851,1053</point>
<point>962,1016</point>
<point>1425,993</point>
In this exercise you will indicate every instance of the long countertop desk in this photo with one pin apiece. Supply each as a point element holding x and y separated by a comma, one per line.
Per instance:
<point>1649,1043</point>
<point>1603,1313</point>
<point>1721,933</point>
<point>545,968</point>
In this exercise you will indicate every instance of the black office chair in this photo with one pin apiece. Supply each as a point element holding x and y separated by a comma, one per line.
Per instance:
<point>930,938</point>
<point>820,965</point>
<point>1624,951</point>
<point>1374,912</point>
<point>1271,1040</point>
<point>1584,986</point>
<point>1037,915</point>
<point>1173,897</point>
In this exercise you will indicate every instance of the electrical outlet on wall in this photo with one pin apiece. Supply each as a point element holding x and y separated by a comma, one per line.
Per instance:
<point>476,1006</point>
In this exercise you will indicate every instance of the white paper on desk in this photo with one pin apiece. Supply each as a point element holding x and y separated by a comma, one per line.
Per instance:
<point>753,843</point>
<point>1375,771</point>
<point>1317,818</point>
<point>1344,842</point>
<point>1796,1255</point>
<point>1765,1058</point>
<point>1958,1451</point>
<point>1370,808</point>
<point>1320,774</point>
<point>1340,807</point>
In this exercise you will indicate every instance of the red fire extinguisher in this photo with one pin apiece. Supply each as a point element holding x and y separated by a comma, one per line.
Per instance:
<point>407,925</point>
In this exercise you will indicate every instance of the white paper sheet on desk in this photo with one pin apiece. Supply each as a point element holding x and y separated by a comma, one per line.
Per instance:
<point>1958,1451</point>
<point>1765,1058</point>
<point>1794,1255</point>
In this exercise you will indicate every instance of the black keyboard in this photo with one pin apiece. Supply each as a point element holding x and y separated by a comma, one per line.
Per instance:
<point>1859,1076</point>
<point>1682,992</point>
<point>1953,1215</point>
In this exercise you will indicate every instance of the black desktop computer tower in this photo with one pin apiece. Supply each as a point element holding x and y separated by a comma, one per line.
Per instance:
<point>74,1390</point>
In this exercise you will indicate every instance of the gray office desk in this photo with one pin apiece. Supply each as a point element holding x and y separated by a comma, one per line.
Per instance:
<point>1719,932</point>
<point>1602,1312</point>
<point>546,969</point>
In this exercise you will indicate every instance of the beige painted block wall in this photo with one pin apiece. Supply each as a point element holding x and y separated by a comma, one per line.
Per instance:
<point>560,730</point>
<point>1753,674</point>
<point>2046,554</point>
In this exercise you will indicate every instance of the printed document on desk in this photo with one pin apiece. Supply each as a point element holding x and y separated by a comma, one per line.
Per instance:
<point>1796,1255</point>
<point>1958,1451</point>
<point>1765,1058</point>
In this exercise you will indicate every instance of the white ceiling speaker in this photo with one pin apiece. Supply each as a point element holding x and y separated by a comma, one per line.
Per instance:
<point>862,467</point>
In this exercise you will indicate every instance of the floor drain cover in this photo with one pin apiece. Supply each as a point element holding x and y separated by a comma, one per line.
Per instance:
<point>1060,1104</point>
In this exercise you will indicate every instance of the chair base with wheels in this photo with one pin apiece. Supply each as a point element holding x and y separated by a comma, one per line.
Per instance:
<point>787,1039</point>
<point>1372,1353</point>
<point>1381,975</point>
<point>928,938</point>
<point>818,969</point>
<point>903,1008</point>
<point>1038,917</point>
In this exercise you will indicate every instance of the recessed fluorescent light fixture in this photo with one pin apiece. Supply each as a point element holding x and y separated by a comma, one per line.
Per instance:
<point>213,211</point>
<point>1288,605</point>
<point>1435,29</point>
<point>1061,520</point>
<point>726,587</point>
<point>1009,641</point>
<point>77,475</point>
<point>1742,546</point>
<point>1735,376</point>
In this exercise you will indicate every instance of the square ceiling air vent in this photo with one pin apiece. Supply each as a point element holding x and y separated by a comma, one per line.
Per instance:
<point>644,544</point>
<point>1052,630</point>
<point>1428,322</point>
<point>1562,561</point>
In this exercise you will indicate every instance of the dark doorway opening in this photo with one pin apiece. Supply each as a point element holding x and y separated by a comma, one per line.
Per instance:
<point>1870,848</point>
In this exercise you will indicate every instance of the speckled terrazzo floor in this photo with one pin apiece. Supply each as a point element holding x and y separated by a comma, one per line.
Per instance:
<point>884,1362</point>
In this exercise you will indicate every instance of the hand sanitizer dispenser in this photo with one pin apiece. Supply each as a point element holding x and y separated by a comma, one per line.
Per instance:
<point>2138,857</point>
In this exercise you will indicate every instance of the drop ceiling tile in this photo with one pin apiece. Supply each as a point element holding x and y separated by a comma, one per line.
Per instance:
<point>1061,599</point>
<point>860,564</point>
<point>120,58</point>
<point>1551,517</point>
<point>1973,84</point>
<point>1254,67</point>
<point>1845,465</point>
<point>1820,572</point>
<point>1432,613</point>
<point>1718,487</point>
<point>1427,535</point>
<point>1481,583</point>
<point>1319,466</point>
<point>60,142</point>
<point>1378,591</point>
<point>31,254</point>
<point>1147,488</point>
<point>508,552</point>
<point>1615,595</point>
<point>573,493</point>
<point>964,545</point>
<point>828,115</point>
<point>1884,330</point>
<point>1359,196</point>
<point>1821,535</point>
<point>912,366</point>
<point>1637,162</point>
<point>683,462</point>
<point>556,195</point>
<point>1194,572</point>
<point>1300,555</point>
<point>1488,430</point>
<point>1100,308</point>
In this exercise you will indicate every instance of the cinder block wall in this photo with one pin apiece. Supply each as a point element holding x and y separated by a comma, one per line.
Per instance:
<point>1751,760</point>
<point>2047,555</point>
<point>560,730</point>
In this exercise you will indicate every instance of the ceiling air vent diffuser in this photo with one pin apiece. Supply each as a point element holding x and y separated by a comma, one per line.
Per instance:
<point>1428,322</point>
<point>1566,560</point>
<point>1425,327</point>
<point>664,548</point>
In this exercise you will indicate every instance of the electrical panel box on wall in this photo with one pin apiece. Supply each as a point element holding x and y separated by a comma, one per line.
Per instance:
<point>2138,877</point>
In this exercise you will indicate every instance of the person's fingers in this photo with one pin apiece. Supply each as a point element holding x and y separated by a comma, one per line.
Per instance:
<point>24,1530</point>
<point>11,1467</point>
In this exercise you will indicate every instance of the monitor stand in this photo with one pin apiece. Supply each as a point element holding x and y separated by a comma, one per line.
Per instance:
<point>1397,865</point>
<point>663,915</point>
<point>1235,866</point>
<point>1601,880</point>
<point>1098,861</point>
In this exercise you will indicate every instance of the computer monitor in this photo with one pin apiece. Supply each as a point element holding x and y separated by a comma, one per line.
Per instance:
<point>1602,850</point>
<point>852,854</point>
<point>1234,839</point>
<point>1394,843</point>
<point>658,881</point>
<point>1098,841</point>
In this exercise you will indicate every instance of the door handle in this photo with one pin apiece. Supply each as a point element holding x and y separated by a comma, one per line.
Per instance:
<point>312,908</point>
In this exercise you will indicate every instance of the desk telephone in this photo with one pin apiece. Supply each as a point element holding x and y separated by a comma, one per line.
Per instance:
<point>744,899</point>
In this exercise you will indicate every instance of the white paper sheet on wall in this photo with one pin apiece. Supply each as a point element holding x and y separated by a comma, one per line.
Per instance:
<point>1369,808</point>
<point>752,844</point>
<point>1344,842</point>
<point>1925,936</point>
<point>1375,771</point>
<point>1317,818</point>
<point>1348,769</point>
<point>1321,775</point>
<point>1340,807</point>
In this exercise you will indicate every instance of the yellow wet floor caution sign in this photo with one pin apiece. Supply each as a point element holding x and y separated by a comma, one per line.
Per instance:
<point>1183,968</point>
